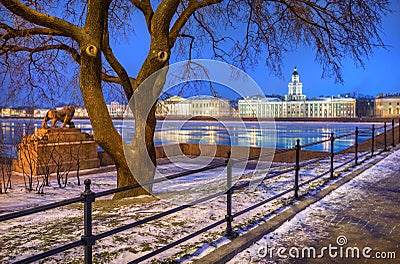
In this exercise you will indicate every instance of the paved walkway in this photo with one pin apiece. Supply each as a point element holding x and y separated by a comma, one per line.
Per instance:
<point>363,213</point>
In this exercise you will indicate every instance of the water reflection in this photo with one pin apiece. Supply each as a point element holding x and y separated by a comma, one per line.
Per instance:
<point>211,132</point>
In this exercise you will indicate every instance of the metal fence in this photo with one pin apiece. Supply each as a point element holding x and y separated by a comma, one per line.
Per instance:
<point>89,239</point>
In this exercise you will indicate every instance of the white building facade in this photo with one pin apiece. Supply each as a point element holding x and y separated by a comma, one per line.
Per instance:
<point>116,109</point>
<point>194,106</point>
<point>296,105</point>
<point>295,88</point>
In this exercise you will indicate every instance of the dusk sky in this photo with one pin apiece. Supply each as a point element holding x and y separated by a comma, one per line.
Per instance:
<point>380,75</point>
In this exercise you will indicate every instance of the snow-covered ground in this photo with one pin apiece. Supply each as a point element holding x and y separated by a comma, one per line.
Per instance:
<point>33,234</point>
<point>355,212</point>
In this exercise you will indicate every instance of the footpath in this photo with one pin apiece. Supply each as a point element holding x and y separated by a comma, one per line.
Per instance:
<point>355,220</point>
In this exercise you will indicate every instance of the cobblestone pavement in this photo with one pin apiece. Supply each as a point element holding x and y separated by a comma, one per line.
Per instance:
<point>364,213</point>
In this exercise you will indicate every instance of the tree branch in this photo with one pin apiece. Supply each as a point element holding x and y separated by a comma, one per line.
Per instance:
<point>125,81</point>
<point>191,43</point>
<point>186,14</point>
<point>147,10</point>
<point>12,33</point>
<point>218,52</point>
<point>40,19</point>
<point>14,48</point>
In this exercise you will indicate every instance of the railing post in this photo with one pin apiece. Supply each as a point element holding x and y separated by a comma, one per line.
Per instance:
<point>332,153</point>
<point>385,136</point>
<point>228,216</point>
<point>297,169</point>
<point>399,130</point>
<point>393,145</point>
<point>88,198</point>
<point>228,154</point>
<point>373,140</point>
<point>356,147</point>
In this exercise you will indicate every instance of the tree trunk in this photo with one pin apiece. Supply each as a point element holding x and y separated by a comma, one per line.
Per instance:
<point>125,178</point>
<point>104,131</point>
<point>138,157</point>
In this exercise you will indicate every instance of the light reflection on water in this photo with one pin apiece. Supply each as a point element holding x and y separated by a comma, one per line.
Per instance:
<point>211,132</point>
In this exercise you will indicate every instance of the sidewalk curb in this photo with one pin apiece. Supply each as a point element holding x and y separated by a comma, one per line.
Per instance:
<point>226,252</point>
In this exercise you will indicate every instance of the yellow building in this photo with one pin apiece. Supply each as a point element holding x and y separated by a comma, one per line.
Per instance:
<point>174,106</point>
<point>387,106</point>
<point>39,113</point>
<point>11,112</point>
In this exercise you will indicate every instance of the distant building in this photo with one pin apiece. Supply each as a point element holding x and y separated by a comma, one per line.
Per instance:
<point>81,112</point>
<point>365,107</point>
<point>296,105</point>
<point>295,88</point>
<point>387,106</point>
<point>194,106</point>
<point>331,107</point>
<point>259,106</point>
<point>39,113</point>
<point>116,109</point>
<point>13,112</point>
<point>209,106</point>
<point>176,106</point>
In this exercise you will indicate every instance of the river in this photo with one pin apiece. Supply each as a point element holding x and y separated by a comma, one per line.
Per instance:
<point>259,134</point>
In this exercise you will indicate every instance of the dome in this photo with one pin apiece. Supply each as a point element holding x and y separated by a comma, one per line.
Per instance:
<point>295,71</point>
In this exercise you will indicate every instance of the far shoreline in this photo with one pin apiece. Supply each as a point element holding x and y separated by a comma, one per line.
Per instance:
<point>252,119</point>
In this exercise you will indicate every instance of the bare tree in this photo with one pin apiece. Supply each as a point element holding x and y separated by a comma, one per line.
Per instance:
<point>75,153</point>
<point>5,164</point>
<point>6,173</point>
<point>39,40</point>
<point>40,184</point>
<point>27,161</point>
<point>62,161</point>
<point>30,156</point>
<point>45,161</point>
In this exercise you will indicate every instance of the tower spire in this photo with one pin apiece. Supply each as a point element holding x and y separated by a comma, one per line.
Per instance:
<point>295,92</point>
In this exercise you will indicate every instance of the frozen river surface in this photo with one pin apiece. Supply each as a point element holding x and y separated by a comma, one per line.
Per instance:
<point>257,134</point>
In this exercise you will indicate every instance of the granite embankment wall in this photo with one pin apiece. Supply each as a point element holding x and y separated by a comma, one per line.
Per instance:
<point>163,152</point>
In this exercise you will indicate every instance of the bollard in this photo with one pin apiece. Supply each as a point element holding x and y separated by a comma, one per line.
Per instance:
<point>373,140</point>
<point>332,153</point>
<point>88,198</point>
<point>297,169</point>
<point>356,147</point>
<point>385,137</point>
<point>228,216</point>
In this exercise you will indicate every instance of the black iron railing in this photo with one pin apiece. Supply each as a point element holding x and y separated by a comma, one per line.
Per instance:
<point>88,196</point>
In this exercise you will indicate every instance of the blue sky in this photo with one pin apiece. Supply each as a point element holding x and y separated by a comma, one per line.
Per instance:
<point>380,75</point>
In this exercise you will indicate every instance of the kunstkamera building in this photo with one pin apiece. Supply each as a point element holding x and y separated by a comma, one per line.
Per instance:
<point>296,104</point>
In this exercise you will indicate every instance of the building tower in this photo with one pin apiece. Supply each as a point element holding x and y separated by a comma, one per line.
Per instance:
<point>295,88</point>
